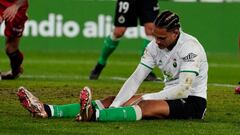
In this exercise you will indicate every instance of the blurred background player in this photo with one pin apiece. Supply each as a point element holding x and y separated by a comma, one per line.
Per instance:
<point>127,13</point>
<point>13,12</point>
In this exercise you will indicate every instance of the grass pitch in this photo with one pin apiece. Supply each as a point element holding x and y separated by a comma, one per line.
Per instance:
<point>56,76</point>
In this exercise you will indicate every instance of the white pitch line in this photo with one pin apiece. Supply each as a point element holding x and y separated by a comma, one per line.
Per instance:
<point>71,62</point>
<point>92,62</point>
<point>222,85</point>
<point>64,77</point>
<point>119,78</point>
<point>224,65</point>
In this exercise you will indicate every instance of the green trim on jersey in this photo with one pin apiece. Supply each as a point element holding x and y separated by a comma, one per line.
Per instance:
<point>145,43</point>
<point>190,71</point>
<point>146,66</point>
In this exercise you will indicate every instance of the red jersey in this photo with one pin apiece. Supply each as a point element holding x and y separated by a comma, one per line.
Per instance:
<point>14,28</point>
<point>7,3</point>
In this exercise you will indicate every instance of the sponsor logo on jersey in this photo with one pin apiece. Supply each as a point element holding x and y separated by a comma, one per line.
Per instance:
<point>189,57</point>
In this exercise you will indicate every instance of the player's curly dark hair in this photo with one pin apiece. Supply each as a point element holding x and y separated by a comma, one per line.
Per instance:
<point>167,19</point>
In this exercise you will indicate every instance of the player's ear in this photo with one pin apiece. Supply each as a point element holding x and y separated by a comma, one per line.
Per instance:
<point>176,31</point>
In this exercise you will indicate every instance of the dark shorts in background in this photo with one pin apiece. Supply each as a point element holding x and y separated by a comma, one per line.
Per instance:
<point>127,12</point>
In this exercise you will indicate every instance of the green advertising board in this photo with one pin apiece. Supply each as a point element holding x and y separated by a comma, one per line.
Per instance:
<point>82,24</point>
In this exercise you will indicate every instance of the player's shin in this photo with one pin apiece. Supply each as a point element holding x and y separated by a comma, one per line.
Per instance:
<point>67,110</point>
<point>109,46</point>
<point>129,113</point>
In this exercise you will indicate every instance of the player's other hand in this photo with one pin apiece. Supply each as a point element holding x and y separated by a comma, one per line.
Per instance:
<point>10,12</point>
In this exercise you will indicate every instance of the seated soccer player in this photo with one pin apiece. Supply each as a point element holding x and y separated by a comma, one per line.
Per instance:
<point>184,65</point>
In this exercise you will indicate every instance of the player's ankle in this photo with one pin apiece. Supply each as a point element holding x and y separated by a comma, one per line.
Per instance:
<point>47,110</point>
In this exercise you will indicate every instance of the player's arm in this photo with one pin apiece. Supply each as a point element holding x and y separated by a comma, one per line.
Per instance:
<point>10,12</point>
<point>190,67</point>
<point>131,86</point>
<point>179,91</point>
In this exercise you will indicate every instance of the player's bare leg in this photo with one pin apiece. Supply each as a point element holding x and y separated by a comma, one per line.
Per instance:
<point>154,108</point>
<point>108,100</point>
<point>150,108</point>
<point>148,27</point>
<point>118,32</point>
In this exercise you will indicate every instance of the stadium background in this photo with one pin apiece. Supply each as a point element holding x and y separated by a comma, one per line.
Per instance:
<point>85,23</point>
<point>62,42</point>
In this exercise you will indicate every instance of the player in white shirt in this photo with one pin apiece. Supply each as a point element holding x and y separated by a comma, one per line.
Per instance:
<point>184,65</point>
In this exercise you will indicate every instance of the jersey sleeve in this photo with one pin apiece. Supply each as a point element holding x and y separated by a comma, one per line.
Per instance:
<point>131,86</point>
<point>182,90</point>
<point>190,57</point>
<point>147,59</point>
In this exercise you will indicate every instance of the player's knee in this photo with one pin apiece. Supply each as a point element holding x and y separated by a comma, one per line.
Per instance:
<point>143,105</point>
<point>119,32</point>
<point>146,112</point>
<point>107,101</point>
<point>111,98</point>
<point>149,29</point>
<point>152,110</point>
<point>148,33</point>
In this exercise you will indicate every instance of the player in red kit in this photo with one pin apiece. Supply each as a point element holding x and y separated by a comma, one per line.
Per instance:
<point>14,13</point>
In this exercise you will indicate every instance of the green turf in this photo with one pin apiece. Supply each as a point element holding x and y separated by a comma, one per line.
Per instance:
<point>56,77</point>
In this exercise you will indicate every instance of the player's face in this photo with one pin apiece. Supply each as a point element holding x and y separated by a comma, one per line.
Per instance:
<point>163,37</point>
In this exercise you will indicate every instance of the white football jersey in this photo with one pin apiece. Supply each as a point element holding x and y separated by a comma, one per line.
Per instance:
<point>188,55</point>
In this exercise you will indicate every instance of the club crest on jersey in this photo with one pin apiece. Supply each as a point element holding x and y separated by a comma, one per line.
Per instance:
<point>121,19</point>
<point>189,57</point>
<point>160,62</point>
<point>174,63</point>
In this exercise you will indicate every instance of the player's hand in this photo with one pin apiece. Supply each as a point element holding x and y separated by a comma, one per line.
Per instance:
<point>10,13</point>
<point>137,101</point>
